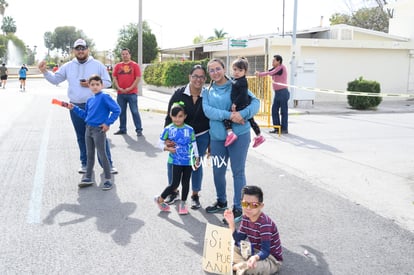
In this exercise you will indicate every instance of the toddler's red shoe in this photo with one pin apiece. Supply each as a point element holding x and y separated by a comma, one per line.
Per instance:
<point>230,139</point>
<point>258,140</point>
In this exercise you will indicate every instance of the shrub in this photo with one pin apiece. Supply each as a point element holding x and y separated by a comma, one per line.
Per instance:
<point>364,102</point>
<point>171,73</point>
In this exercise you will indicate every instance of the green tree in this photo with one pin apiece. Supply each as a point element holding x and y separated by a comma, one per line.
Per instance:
<point>9,25</point>
<point>218,35</point>
<point>48,42</point>
<point>63,38</point>
<point>371,18</point>
<point>375,17</point>
<point>340,18</point>
<point>128,38</point>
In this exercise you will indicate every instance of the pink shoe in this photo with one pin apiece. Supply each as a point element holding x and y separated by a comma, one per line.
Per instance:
<point>258,140</point>
<point>182,208</point>
<point>230,139</point>
<point>162,205</point>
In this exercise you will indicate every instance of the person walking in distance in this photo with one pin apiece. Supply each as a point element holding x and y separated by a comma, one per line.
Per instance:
<point>281,96</point>
<point>191,94</point>
<point>76,72</point>
<point>3,75</point>
<point>22,77</point>
<point>99,113</point>
<point>127,75</point>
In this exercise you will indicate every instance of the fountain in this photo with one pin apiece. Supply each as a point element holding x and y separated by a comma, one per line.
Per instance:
<point>14,58</point>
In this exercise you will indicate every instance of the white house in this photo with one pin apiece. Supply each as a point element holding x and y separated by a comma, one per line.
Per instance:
<point>329,57</point>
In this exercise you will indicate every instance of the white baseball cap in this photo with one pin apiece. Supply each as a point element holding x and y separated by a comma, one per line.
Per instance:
<point>80,42</point>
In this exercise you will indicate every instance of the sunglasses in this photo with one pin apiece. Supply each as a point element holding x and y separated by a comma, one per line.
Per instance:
<point>80,48</point>
<point>252,205</point>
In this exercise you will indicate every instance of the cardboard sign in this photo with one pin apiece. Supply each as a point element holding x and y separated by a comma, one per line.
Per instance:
<point>218,250</point>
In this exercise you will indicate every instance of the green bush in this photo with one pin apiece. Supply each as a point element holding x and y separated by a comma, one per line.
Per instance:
<point>171,73</point>
<point>364,102</point>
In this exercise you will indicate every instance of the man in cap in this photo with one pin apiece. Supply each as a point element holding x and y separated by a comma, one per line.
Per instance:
<point>76,72</point>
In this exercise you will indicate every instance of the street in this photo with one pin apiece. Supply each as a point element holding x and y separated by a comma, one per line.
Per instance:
<point>340,186</point>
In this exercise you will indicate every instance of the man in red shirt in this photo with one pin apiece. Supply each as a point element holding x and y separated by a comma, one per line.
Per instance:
<point>126,76</point>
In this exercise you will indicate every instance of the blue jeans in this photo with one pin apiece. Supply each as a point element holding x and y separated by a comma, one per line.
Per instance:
<point>197,176</point>
<point>280,101</point>
<point>80,129</point>
<point>131,100</point>
<point>237,153</point>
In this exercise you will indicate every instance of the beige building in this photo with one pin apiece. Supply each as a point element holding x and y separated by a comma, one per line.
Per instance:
<point>328,57</point>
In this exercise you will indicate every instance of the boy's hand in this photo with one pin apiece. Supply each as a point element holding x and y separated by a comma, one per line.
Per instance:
<point>229,217</point>
<point>104,128</point>
<point>252,262</point>
<point>169,143</point>
<point>233,107</point>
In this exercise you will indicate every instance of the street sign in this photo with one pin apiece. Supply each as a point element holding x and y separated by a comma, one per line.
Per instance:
<point>239,43</point>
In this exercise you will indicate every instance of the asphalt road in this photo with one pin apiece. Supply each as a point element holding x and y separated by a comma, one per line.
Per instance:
<point>339,186</point>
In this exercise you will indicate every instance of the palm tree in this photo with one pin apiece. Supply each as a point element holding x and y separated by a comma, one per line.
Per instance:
<point>219,34</point>
<point>9,25</point>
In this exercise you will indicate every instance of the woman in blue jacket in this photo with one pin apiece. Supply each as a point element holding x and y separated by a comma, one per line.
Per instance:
<point>216,106</point>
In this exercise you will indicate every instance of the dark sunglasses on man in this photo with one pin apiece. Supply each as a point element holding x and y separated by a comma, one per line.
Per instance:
<point>80,48</point>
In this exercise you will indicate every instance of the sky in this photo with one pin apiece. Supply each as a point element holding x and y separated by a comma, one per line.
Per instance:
<point>175,23</point>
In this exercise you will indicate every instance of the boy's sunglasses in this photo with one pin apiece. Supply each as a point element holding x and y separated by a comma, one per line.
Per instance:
<point>252,205</point>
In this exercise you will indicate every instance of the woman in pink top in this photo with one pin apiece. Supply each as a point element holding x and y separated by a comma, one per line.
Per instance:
<point>281,98</point>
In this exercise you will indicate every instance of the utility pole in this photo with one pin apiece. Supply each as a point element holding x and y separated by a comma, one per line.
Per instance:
<point>293,60</point>
<point>140,44</point>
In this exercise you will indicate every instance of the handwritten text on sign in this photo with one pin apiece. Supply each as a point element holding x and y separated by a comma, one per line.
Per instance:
<point>218,247</point>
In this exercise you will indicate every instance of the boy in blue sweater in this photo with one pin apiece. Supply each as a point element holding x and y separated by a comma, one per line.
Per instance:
<point>100,112</point>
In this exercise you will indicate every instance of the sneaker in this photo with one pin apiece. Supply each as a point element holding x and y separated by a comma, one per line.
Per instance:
<point>274,131</point>
<point>182,208</point>
<point>216,207</point>
<point>139,133</point>
<point>114,170</point>
<point>82,170</point>
<point>195,202</point>
<point>237,213</point>
<point>107,185</point>
<point>120,132</point>
<point>162,205</point>
<point>258,140</point>
<point>85,182</point>
<point>171,199</point>
<point>230,139</point>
